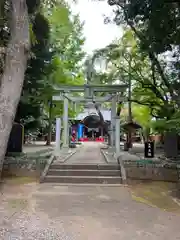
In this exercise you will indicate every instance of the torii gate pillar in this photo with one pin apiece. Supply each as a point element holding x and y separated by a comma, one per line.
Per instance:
<point>113,121</point>
<point>65,124</point>
<point>58,135</point>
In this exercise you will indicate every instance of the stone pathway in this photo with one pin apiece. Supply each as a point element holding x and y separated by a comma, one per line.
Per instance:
<point>51,212</point>
<point>88,153</point>
<point>33,211</point>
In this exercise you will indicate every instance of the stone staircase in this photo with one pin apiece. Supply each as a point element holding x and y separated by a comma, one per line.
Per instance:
<point>84,174</point>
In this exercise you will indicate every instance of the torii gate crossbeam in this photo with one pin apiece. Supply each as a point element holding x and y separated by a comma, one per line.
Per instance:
<point>94,88</point>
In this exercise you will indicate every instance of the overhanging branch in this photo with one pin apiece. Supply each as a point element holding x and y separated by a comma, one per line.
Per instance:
<point>152,55</point>
<point>139,102</point>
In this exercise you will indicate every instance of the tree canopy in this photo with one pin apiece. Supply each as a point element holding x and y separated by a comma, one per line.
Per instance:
<point>56,59</point>
<point>147,55</point>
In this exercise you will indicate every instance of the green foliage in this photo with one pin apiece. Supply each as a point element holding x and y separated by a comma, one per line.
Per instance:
<point>159,126</point>
<point>163,125</point>
<point>66,45</point>
<point>156,25</point>
<point>57,52</point>
<point>142,115</point>
<point>125,61</point>
<point>148,55</point>
<point>159,36</point>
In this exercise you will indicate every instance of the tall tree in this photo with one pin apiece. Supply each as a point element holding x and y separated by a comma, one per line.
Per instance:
<point>155,39</point>
<point>15,62</point>
<point>29,109</point>
<point>125,62</point>
<point>66,45</point>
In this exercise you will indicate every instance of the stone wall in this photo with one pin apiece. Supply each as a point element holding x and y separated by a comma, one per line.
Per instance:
<point>24,165</point>
<point>153,172</point>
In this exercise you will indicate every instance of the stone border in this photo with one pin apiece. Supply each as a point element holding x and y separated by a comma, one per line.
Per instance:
<point>51,160</point>
<point>68,156</point>
<point>104,155</point>
<point>123,170</point>
<point>30,163</point>
<point>121,167</point>
<point>141,164</point>
<point>153,168</point>
<point>44,173</point>
<point>72,153</point>
<point>152,174</point>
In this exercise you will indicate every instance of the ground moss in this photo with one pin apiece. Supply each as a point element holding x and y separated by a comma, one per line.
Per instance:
<point>155,194</point>
<point>20,180</point>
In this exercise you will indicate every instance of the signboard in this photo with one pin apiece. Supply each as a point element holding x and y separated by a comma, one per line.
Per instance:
<point>16,138</point>
<point>149,149</point>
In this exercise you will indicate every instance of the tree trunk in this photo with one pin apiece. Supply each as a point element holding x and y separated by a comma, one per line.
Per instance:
<point>15,67</point>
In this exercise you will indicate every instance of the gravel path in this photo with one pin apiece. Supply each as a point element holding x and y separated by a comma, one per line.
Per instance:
<point>39,212</point>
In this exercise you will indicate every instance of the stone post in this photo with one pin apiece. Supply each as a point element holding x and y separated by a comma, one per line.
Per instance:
<point>65,123</point>
<point>58,134</point>
<point>113,115</point>
<point>117,134</point>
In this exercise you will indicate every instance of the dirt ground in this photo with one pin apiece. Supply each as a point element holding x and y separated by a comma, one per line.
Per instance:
<point>30,210</point>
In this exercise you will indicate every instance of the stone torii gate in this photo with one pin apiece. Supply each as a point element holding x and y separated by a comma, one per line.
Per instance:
<point>114,94</point>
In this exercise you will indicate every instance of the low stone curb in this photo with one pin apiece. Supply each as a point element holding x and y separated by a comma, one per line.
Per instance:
<point>107,157</point>
<point>48,164</point>
<point>67,157</point>
<point>123,171</point>
<point>51,160</point>
<point>151,164</point>
<point>104,155</point>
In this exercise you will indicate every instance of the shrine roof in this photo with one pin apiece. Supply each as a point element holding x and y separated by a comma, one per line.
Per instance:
<point>106,114</point>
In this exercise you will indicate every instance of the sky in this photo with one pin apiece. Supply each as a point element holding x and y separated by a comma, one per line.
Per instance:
<point>97,34</point>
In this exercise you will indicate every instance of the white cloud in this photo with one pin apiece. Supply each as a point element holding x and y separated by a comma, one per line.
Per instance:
<point>97,33</point>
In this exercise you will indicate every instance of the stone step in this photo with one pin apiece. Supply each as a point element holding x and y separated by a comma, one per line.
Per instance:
<point>82,172</point>
<point>85,166</point>
<point>83,179</point>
